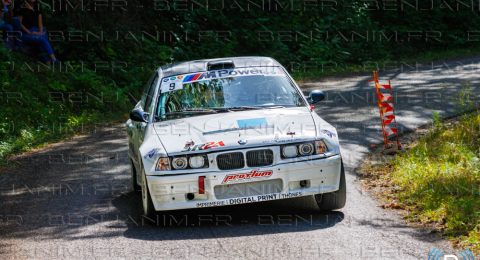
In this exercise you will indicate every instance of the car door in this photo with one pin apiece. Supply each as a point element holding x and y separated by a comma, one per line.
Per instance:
<point>136,130</point>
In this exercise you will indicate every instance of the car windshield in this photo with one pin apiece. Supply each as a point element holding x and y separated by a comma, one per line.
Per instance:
<point>226,91</point>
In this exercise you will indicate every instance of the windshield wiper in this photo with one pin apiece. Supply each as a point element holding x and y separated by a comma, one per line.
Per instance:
<point>239,108</point>
<point>272,106</point>
<point>243,108</point>
<point>193,111</point>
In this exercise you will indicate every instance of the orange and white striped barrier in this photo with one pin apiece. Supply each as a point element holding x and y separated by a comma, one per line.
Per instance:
<point>386,107</point>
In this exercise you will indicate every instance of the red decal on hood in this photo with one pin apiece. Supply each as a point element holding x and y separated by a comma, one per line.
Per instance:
<point>205,146</point>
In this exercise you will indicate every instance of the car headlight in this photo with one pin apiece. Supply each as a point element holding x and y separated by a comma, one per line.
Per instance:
<point>306,149</point>
<point>196,162</point>
<point>179,163</point>
<point>320,147</point>
<point>289,151</point>
<point>163,164</point>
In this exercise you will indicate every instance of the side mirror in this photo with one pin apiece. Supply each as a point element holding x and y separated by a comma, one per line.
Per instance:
<point>138,115</point>
<point>315,96</point>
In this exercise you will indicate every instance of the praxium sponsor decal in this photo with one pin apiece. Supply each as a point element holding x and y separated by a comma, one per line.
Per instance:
<point>247,176</point>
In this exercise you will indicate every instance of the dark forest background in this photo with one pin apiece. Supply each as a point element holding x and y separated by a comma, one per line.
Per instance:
<point>108,49</point>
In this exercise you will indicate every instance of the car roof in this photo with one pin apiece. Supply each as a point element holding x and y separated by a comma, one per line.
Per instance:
<point>201,65</point>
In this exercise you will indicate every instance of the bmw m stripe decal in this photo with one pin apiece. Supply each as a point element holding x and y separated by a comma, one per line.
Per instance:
<point>192,77</point>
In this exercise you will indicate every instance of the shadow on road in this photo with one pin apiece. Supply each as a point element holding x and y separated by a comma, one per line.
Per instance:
<point>273,217</point>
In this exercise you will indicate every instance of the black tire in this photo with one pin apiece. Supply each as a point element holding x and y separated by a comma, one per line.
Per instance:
<point>135,186</point>
<point>147,204</point>
<point>333,200</point>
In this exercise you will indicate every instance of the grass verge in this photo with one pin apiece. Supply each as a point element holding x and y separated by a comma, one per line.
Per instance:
<point>435,180</point>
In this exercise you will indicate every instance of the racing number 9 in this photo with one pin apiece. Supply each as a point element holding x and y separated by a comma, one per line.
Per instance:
<point>172,86</point>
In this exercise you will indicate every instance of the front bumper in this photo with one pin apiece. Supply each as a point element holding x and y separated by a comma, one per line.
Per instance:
<point>288,180</point>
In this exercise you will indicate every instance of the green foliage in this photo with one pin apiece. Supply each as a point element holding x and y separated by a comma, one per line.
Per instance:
<point>439,180</point>
<point>346,32</point>
<point>437,120</point>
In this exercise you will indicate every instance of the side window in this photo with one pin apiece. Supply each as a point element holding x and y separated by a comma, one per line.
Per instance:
<point>151,92</point>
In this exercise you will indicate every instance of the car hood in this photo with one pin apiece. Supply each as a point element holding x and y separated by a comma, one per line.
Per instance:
<point>232,130</point>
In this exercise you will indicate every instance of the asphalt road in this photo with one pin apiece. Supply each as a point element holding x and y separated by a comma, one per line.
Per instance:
<point>73,199</point>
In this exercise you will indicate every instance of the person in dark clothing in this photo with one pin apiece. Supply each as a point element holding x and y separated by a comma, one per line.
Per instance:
<point>33,30</point>
<point>5,18</point>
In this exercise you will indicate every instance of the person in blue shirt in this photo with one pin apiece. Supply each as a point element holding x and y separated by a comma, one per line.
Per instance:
<point>33,30</point>
<point>5,19</point>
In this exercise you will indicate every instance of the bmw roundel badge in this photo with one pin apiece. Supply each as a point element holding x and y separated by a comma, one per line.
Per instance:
<point>242,141</point>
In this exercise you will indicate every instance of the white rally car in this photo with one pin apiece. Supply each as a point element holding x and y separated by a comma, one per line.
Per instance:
<point>231,131</point>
